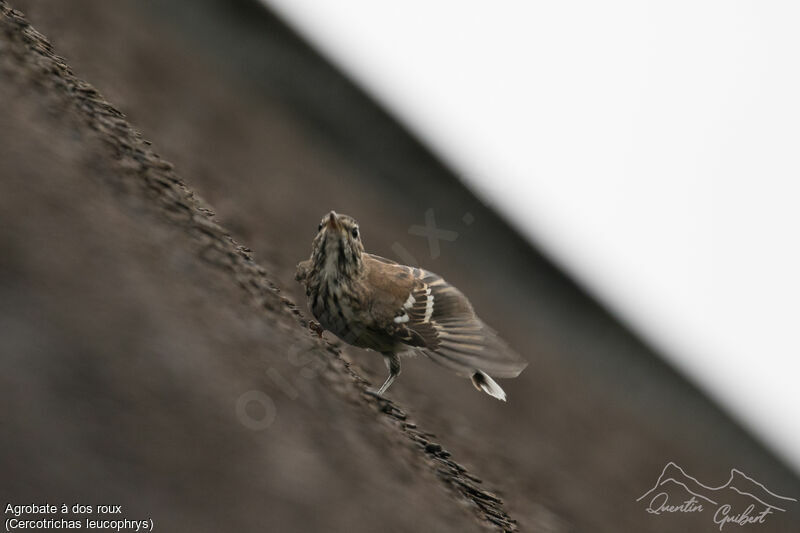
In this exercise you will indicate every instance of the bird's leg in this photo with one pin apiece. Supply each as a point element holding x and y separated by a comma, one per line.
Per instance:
<point>392,361</point>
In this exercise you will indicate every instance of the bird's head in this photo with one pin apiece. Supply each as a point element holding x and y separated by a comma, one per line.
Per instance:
<point>336,250</point>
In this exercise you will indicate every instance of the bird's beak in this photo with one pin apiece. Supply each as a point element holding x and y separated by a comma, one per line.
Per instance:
<point>333,221</point>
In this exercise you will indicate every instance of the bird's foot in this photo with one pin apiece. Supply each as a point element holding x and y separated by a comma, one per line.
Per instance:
<point>385,404</point>
<point>374,393</point>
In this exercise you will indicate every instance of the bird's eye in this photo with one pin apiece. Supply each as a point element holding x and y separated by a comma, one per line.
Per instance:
<point>355,233</point>
<point>319,228</point>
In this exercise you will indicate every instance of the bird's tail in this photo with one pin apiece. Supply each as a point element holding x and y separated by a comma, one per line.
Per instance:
<point>483,382</point>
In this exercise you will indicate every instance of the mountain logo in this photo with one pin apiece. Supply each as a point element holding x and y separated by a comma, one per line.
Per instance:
<point>741,500</point>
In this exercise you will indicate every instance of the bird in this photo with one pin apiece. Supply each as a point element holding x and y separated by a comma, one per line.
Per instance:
<point>375,303</point>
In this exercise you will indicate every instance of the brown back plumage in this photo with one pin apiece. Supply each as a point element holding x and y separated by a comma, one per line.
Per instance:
<point>441,321</point>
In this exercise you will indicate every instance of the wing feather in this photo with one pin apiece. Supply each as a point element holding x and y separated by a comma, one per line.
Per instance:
<point>453,335</point>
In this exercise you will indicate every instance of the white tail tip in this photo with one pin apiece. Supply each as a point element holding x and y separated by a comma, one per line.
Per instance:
<point>483,382</point>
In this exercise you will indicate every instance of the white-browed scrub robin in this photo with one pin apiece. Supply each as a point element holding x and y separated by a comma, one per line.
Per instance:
<point>380,305</point>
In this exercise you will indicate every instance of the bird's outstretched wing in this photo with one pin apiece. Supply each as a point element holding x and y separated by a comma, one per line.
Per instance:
<point>439,319</point>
